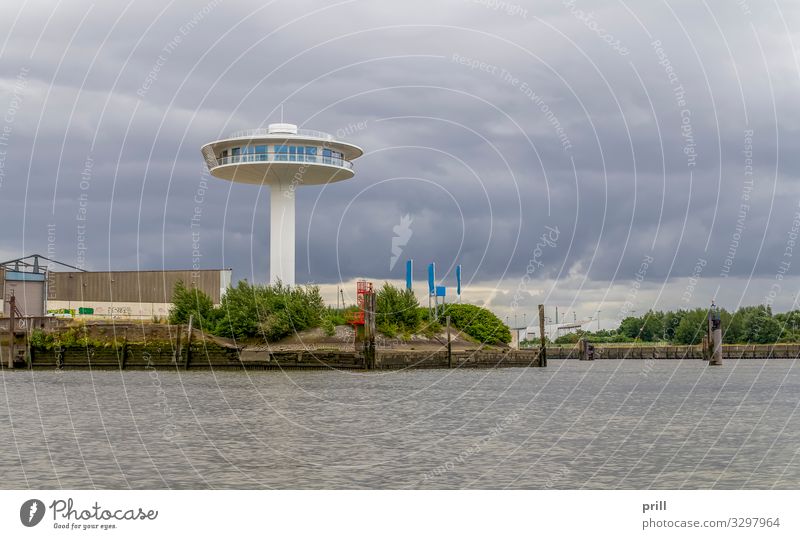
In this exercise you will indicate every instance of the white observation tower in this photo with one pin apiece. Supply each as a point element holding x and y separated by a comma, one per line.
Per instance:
<point>284,158</point>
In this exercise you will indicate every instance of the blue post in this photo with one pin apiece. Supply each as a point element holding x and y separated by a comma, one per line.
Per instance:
<point>409,269</point>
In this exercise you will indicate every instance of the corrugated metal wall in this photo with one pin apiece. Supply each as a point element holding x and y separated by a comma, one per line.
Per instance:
<point>131,286</point>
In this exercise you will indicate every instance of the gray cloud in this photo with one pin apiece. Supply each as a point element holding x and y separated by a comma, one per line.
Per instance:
<point>552,127</point>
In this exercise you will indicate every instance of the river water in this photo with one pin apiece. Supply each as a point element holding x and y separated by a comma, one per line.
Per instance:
<point>602,425</point>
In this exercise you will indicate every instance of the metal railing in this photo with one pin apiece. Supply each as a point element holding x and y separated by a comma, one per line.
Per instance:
<point>280,157</point>
<point>264,132</point>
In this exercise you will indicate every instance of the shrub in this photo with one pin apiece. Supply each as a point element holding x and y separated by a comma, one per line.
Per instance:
<point>328,326</point>
<point>188,302</point>
<point>272,312</point>
<point>42,340</point>
<point>478,323</point>
<point>397,311</point>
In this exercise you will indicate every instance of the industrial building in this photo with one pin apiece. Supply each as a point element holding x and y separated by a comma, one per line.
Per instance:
<point>40,289</point>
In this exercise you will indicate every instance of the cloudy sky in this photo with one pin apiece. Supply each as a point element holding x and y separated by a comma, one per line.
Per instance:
<point>654,146</point>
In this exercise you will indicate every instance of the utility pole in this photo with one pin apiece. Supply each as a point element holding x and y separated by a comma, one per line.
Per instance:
<point>598,320</point>
<point>556,314</point>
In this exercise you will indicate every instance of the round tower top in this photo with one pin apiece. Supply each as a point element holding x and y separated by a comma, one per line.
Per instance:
<point>282,128</point>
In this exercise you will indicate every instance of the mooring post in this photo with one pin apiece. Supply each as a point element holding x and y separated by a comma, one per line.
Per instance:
<point>449,345</point>
<point>12,330</point>
<point>189,343</point>
<point>124,357</point>
<point>177,352</point>
<point>373,326</point>
<point>715,324</point>
<point>543,339</point>
<point>28,348</point>
<point>369,330</point>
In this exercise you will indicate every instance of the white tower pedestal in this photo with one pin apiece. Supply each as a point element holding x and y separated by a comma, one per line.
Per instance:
<point>281,235</point>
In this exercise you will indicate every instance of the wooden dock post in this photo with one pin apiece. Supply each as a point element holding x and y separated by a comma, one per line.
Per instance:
<point>714,336</point>
<point>370,328</point>
<point>449,345</point>
<point>28,347</point>
<point>12,330</point>
<point>543,339</point>
<point>189,343</point>
<point>123,360</point>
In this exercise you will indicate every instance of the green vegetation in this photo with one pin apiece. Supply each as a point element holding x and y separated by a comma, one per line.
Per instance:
<point>479,323</point>
<point>271,312</point>
<point>73,337</point>
<point>188,302</point>
<point>397,311</point>
<point>748,325</point>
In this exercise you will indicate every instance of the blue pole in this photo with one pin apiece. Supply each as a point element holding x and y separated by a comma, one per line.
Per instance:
<point>409,269</point>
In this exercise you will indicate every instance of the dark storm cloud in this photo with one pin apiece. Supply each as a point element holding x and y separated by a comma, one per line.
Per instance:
<point>484,125</point>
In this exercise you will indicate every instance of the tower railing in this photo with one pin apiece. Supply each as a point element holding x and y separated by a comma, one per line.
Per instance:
<point>281,157</point>
<point>265,132</point>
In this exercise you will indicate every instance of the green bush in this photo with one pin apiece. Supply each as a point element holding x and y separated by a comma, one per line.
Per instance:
<point>42,340</point>
<point>188,302</point>
<point>397,311</point>
<point>337,317</point>
<point>478,323</point>
<point>328,326</point>
<point>272,312</point>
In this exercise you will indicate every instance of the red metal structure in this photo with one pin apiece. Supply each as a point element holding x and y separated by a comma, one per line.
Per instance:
<point>362,289</point>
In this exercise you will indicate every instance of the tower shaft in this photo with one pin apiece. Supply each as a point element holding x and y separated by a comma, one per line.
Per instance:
<point>281,235</point>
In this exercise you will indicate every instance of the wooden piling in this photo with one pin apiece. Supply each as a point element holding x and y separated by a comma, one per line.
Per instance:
<point>716,355</point>
<point>12,327</point>
<point>369,330</point>
<point>714,336</point>
<point>449,346</point>
<point>187,360</point>
<point>123,360</point>
<point>542,338</point>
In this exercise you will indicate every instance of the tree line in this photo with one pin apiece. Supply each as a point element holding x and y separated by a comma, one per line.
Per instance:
<point>747,325</point>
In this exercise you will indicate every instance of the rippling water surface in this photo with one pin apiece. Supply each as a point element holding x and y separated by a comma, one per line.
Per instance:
<point>604,424</point>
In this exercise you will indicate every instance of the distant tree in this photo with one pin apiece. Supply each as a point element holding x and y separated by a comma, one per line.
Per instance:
<point>760,327</point>
<point>188,302</point>
<point>477,322</point>
<point>271,312</point>
<point>692,327</point>
<point>670,321</point>
<point>645,328</point>
<point>630,327</point>
<point>397,310</point>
